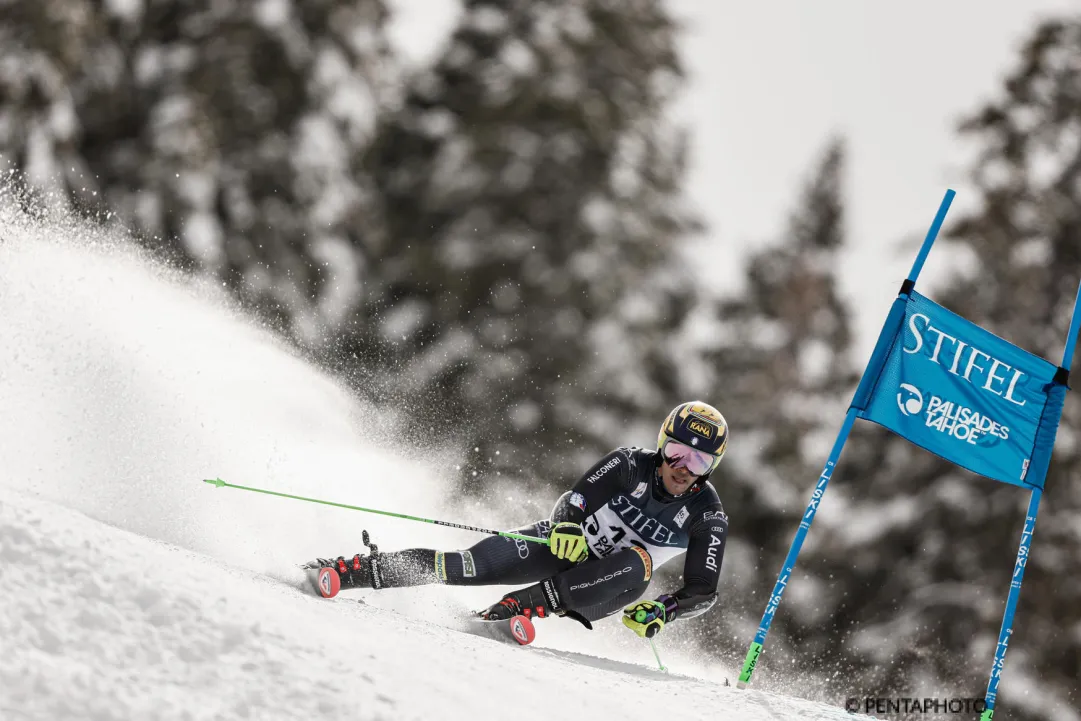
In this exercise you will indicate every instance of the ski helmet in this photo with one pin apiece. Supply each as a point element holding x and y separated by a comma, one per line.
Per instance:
<point>698,425</point>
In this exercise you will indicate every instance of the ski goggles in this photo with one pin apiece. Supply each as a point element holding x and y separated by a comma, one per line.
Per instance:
<point>680,455</point>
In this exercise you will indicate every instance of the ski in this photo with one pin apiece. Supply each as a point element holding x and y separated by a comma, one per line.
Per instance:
<point>518,630</point>
<point>324,581</point>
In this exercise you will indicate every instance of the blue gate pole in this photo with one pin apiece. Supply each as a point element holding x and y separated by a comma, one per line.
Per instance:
<point>790,561</point>
<point>1023,550</point>
<point>1011,605</point>
<point>870,373</point>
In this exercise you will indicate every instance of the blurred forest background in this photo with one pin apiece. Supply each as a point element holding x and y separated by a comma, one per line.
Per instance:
<point>496,242</point>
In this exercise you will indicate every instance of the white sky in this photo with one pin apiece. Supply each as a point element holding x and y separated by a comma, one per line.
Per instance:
<point>770,81</point>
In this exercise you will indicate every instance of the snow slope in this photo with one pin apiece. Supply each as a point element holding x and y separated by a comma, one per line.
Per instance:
<point>101,623</point>
<point>129,589</point>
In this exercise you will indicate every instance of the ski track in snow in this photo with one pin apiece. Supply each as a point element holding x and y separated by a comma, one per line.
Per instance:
<point>131,590</point>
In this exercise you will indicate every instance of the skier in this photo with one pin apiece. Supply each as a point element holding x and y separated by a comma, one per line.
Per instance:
<point>633,511</point>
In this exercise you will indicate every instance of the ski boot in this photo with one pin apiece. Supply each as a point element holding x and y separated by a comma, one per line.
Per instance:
<point>540,600</point>
<point>509,619</point>
<point>328,576</point>
<point>528,602</point>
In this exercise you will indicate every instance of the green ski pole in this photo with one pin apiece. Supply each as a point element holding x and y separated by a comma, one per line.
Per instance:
<point>657,656</point>
<point>219,483</point>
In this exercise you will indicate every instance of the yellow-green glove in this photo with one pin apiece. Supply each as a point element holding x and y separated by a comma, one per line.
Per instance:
<point>646,618</point>
<point>567,541</point>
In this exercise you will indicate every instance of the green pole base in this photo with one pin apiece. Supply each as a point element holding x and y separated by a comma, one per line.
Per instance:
<point>748,665</point>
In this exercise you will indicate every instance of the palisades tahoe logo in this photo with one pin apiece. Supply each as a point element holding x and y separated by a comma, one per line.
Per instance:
<point>953,419</point>
<point>909,399</point>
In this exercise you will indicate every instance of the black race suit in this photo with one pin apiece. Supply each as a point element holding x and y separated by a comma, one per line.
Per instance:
<point>624,511</point>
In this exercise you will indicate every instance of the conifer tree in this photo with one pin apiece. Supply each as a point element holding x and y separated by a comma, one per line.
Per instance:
<point>783,373</point>
<point>221,132</point>
<point>531,264</point>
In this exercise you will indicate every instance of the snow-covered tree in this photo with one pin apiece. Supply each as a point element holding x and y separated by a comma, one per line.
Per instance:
<point>531,273</point>
<point>222,132</point>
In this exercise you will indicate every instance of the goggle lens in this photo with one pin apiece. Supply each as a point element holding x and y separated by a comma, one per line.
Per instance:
<point>680,455</point>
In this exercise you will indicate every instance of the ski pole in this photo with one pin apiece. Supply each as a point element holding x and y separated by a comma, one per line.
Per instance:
<point>219,483</point>
<point>657,655</point>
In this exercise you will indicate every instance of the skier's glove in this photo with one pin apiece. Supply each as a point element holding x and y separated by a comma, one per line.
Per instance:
<point>647,618</point>
<point>567,541</point>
